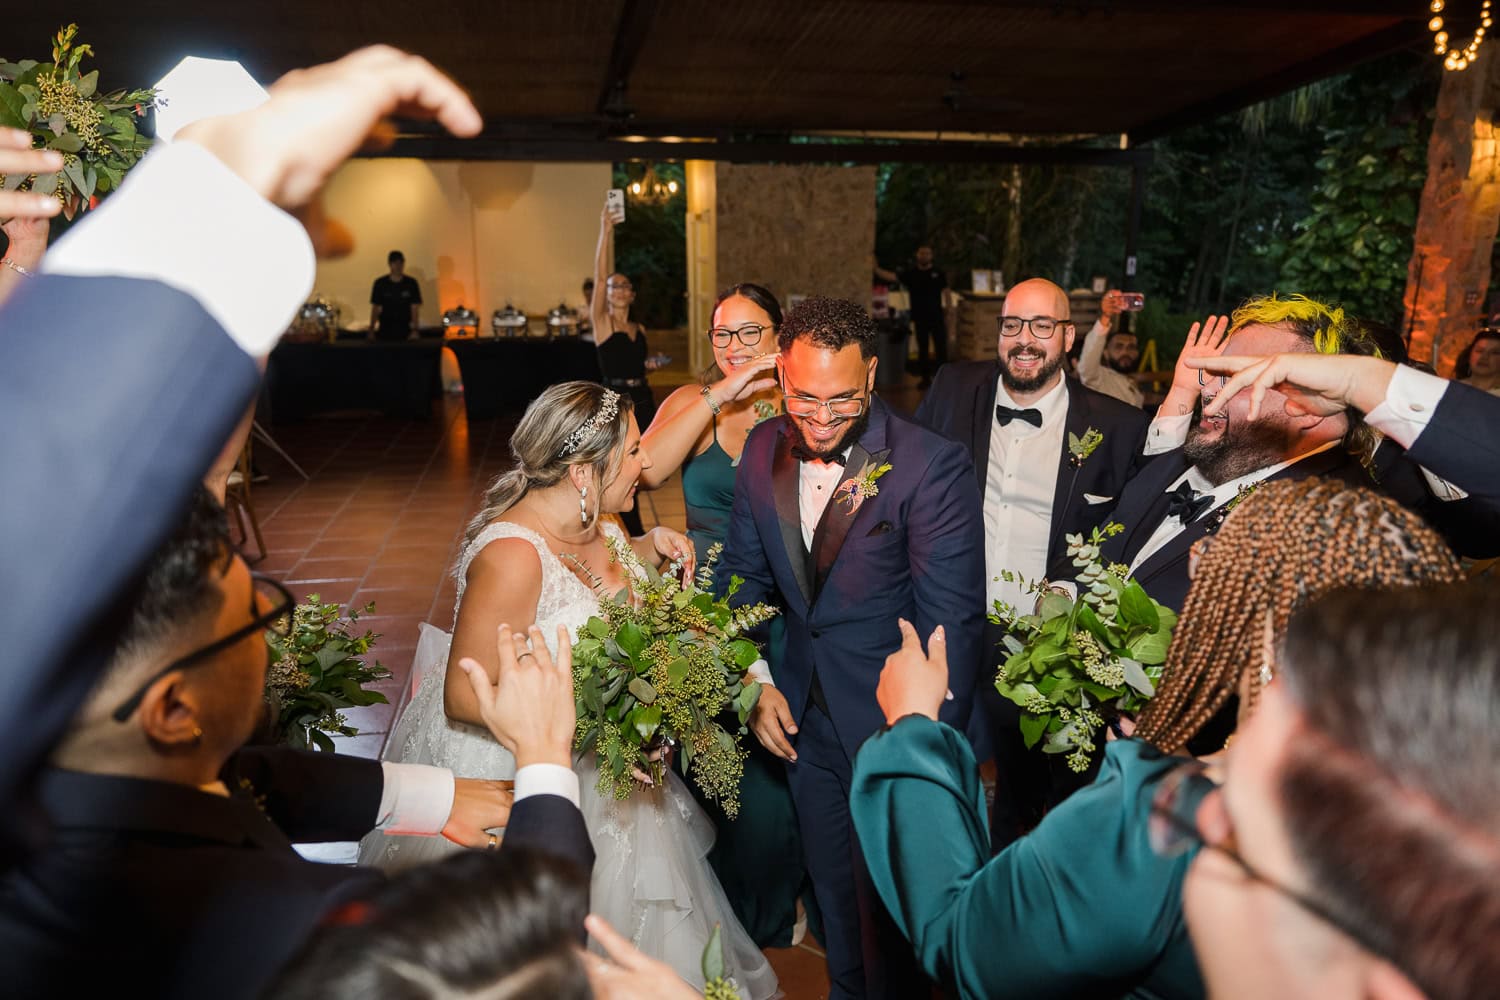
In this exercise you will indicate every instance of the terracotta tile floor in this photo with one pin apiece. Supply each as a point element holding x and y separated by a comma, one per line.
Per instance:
<point>379,521</point>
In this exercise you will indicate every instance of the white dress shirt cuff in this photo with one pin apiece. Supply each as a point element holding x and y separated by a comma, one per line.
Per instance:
<point>1167,433</point>
<point>760,671</point>
<point>185,219</point>
<point>547,779</point>
<point>1409,403</point>
<point>416,800</point>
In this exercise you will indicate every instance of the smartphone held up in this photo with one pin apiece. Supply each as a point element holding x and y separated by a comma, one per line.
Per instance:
<point>614,201</point>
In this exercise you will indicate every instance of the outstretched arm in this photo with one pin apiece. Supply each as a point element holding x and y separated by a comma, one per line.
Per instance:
<point>599,304</point>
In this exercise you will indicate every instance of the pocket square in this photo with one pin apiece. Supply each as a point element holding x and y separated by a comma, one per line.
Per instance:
<point>1091,498</point>
<point>882,528</point>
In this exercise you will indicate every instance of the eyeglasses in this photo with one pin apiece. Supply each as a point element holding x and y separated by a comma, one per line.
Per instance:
<point>749,334</point>
<point>277,620</point>
<point>1173,834</point>
<point>1042,327</point>
<point>838,409</point>
<point>623,286</point>
<point>1206,379</point>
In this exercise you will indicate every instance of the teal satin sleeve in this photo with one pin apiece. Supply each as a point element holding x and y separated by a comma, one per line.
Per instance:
<point>1081,906</point>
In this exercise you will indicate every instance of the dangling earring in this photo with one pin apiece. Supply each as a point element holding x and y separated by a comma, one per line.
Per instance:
<point>583,507</point>
<point>197,735</point>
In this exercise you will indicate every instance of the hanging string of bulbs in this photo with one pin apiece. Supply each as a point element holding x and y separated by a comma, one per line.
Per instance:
<point>1457,59</point>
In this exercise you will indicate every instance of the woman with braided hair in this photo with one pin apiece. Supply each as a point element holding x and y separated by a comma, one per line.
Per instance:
<point>1289,543</point>
<point>1082,905</point>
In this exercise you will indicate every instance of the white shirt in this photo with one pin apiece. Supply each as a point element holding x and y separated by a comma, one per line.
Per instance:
<point>1094,373</point>
<point>1019,485</point>
<point>1171,527</point>
<point>816,484</point>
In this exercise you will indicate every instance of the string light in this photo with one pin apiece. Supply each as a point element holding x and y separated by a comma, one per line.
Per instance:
<point>1458,59</point>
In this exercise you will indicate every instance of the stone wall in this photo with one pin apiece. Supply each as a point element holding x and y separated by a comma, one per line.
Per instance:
<point>798,230</point>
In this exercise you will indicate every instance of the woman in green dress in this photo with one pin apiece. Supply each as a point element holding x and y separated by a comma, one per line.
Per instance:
<point>702,429</point>
<point>1082,906</point>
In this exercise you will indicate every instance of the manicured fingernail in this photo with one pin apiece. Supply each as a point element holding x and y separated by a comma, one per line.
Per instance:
<point>949,695</point>
<point>939,634</point>
<point>791,729</point>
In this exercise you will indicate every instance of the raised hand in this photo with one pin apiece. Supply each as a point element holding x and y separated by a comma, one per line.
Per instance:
<point>1204,340</point>
<point>913,683</point>
<point>1317,384</point>
<point>631,975</point>
<point>530,708</point>
<point>743,384</point>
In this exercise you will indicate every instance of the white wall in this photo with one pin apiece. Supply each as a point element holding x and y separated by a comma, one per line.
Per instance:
<point>475,233</point>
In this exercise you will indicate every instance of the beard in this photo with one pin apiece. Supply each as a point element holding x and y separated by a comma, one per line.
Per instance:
<point>852,431</point>
<point>1241,448</point>
<point>1121,365</point>
<point>1014,383</point>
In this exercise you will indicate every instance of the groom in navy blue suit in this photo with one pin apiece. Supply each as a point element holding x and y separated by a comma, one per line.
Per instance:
<point>849,517</point>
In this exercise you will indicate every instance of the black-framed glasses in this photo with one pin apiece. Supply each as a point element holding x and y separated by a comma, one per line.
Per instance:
<point>749,334</point>
<point>1042,327</point>
<point>278,620</point>
<point>1206,379</point>
<point>1173,833</point>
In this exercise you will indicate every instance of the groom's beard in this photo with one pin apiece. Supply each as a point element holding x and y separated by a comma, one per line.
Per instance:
<point>852,432</point>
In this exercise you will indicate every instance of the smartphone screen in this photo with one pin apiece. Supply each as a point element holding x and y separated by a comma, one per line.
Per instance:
<point>615,199</point>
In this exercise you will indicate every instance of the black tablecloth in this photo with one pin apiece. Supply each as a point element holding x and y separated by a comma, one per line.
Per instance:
<point>399,378</point>
<point>504,375</point>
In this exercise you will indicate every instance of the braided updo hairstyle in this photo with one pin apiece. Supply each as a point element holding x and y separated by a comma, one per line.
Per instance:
<point>1285,545</point>
<point>537,447</point>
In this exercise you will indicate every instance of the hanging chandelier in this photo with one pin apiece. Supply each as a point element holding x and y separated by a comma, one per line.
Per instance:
<point>1458,59</point>
<point>652,188</point>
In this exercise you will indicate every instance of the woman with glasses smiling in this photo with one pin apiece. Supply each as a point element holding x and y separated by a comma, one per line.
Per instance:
<point>701,429</point>
<point>1086,904</point>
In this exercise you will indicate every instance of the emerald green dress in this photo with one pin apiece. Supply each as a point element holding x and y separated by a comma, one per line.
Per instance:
<point>758,855</point>
<point>1079,907</point>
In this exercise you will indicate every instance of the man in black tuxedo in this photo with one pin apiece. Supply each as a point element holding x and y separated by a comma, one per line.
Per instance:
<point>850,517</point>
<point>169,870</point>
<point>1050,457</point>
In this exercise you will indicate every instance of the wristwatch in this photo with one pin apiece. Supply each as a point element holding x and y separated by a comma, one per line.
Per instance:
<point>708,397</point>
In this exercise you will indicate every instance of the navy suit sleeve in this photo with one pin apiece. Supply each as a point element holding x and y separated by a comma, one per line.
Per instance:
<point>1461,442</point>
<point>552,824</point>
<point>313,797</point>
<point>116,395</point>
<point>744,551</point>
<point>945,542</point>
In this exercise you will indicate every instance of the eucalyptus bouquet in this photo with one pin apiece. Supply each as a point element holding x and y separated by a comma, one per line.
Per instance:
<point>60,106</point>
<point>320,669</point>
<point>656,668</point>
<point>1077,663</point>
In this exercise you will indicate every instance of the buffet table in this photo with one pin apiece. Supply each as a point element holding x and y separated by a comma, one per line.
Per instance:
<point>398,378</point>
<point>503,375</point>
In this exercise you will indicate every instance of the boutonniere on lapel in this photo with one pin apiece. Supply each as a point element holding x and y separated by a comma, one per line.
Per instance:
<point>861,486</point>
<point>1234,501</point>
<point>1082,447</point>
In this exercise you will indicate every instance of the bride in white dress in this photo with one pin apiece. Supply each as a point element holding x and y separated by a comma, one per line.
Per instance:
<point>578,456</point>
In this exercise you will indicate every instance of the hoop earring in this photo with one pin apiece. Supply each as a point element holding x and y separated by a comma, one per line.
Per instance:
<point>583,508</point>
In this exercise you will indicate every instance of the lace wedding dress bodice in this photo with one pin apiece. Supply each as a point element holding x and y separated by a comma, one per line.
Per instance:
<point>651,877</point>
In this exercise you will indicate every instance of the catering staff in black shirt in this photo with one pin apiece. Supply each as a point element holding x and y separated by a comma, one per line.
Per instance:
<point>395,301</point>
<point>924,283</point>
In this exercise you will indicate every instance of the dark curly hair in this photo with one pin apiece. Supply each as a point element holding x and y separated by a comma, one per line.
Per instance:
<point>829,323</point>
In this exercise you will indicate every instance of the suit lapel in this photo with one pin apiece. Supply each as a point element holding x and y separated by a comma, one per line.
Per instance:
<point>784,483</point>
<point>983,418</point>
<point>1067,470</point>
<point>833,526</point>
<point>1142,522</point>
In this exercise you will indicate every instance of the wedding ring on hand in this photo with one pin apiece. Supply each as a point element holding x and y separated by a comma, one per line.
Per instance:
<point>523,654</point>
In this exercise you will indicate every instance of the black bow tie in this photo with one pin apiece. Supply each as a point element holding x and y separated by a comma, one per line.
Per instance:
<point>1187,504</point>
<point>801,454</point>
<point>1005,415</point>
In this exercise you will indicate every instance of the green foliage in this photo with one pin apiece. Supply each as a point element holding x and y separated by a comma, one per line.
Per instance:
<point>651,247</point>
<point>716,985</point>
<point>1354,244</point>
<point>1075,663</point>
<point>319,669</point>
<point>656,668</point>
<point>59,106</point>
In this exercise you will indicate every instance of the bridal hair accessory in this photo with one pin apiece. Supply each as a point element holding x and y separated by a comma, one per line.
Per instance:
<point>609,408</point>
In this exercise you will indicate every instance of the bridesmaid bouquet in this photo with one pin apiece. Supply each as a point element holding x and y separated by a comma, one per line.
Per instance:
<point>656,668</point>
<point>1076,664</point>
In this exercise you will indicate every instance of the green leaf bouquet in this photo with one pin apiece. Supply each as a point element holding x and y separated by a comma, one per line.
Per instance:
<point>656,668</point>
<point>1077,663</point>
<point>60,106</point>
<point>319,669</point>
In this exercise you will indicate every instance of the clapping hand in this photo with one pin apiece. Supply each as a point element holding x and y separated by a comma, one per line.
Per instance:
<point>913,683</point>
<point>1204,340</point>
<point>529,709</point>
